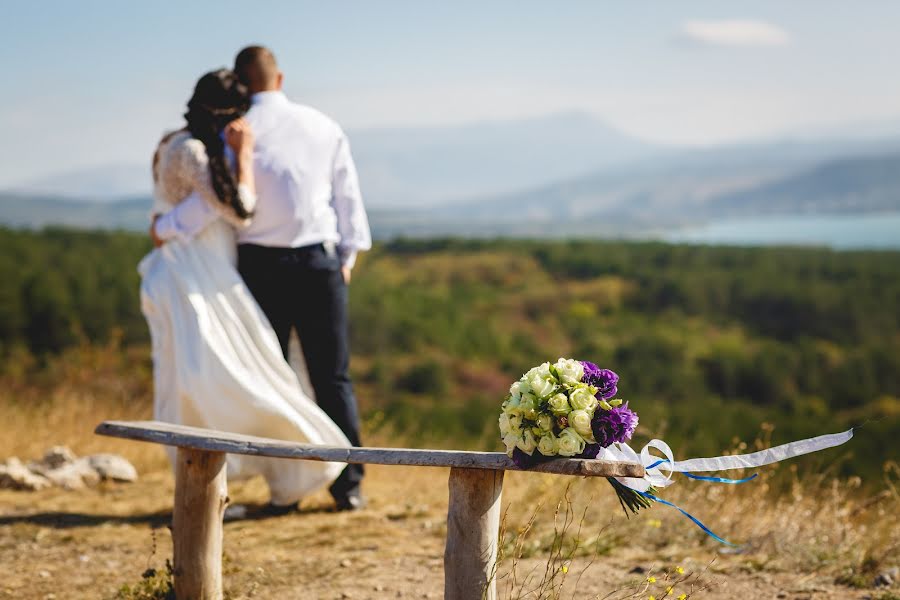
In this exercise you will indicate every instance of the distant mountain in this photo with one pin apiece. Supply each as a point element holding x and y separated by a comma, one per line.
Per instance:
<point>737,181</point>
<point>98,184</point>
<point>626,202</point>
<point>34,212</point>
<point>866,184</point>
<point>422,166</point>
<point>430,166</point>
<point>445,181</point>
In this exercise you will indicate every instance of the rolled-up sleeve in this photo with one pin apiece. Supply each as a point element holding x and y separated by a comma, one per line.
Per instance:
<point>352,222</point>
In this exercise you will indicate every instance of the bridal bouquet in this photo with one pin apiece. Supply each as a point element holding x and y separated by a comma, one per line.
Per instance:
<point>567,409</point>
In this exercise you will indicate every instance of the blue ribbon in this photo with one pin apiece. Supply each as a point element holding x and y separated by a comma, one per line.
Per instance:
<point>696,521</point>
<point>721,479</point>
<point>705,529</point>
<point>704,477</point>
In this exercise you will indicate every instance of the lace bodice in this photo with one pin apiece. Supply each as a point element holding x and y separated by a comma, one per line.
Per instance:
<point>181,167</point>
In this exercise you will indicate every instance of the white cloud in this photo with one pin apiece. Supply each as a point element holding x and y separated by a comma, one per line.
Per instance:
<point>735,32</point>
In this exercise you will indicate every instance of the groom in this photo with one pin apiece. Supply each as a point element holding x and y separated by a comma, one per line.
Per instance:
<point>297,252</point>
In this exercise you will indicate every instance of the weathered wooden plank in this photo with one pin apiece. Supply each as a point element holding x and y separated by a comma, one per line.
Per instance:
<point>473,523</point>
<point>206,439</point>
<point>200,498</point>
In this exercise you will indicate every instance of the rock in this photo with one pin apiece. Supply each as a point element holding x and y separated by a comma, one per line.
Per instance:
<point>346,563</point>
<point>378,587</point>
<point>887,578</point>
<point>73,476</point>
<point>16,476</point>
<point>112,466</point>
<point>58,456</point>
<point>235,512</point>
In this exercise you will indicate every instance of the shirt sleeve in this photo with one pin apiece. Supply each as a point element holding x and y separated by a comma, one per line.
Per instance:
<point>352,222</point>
<point>186,219</point>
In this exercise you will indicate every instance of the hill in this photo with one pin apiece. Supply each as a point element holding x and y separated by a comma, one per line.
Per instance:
<point>852,185</point>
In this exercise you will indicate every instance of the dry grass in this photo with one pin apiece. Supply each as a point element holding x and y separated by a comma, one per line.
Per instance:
<point>817,536</point>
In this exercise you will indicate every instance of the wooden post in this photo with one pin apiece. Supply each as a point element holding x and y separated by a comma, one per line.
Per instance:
<point>473,524</point>
<point>200,499</point>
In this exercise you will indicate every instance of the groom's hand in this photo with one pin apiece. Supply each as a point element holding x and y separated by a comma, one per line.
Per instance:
<point>345,271</point>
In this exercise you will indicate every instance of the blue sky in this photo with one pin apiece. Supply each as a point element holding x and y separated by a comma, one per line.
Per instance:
<point>90,83</point>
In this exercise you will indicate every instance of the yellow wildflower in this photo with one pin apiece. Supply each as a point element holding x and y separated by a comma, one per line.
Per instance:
<point>679,570</point>
<point>565,568</point>
<point>682,597</point>
<point>652,598</point>
<point>668,590</point>
<point>651,579</point>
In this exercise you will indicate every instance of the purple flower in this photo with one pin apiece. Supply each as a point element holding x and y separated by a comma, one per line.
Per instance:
<point>616,425</point>
<point>590,451</point>
<point>603,379</point>
<point>523,461</point>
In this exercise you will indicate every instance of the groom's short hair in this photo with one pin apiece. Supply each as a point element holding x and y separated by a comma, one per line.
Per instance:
<point>256,68</point>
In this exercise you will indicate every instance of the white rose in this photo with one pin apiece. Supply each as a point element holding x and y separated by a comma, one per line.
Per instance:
<point>548,445</point>
<point>582,399</point>
<point>512,406</point>
<point>545,422</point>
<point>515,423</point>
<point>542,371</point>
<point>526,443</point>
<point>569,371</point>
<point>559,405</point>
<point>526,403</point>
<point>509,440</point>
<point>570,443</point>
<point>580,420</point>
<point>515,390</point>
<point>504,424</point>
<point>541,386</point>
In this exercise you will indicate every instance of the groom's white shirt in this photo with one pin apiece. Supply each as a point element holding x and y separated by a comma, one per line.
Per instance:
<point>306,184</point>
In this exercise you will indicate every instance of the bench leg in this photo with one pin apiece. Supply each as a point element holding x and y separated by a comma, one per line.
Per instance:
<point>473,524</point>
<point>200,499</point>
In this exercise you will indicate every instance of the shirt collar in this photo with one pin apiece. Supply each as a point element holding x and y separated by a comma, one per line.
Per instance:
<point>269,97</point>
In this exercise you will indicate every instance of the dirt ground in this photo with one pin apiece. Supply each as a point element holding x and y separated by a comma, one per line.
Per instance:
<point>57,544</point>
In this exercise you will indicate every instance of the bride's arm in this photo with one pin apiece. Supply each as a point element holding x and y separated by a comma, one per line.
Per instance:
<point>190,216</point>
<point>239,137</point>
<point>185,220</point>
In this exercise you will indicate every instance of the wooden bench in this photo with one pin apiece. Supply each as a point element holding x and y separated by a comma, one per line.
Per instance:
<point>473,514</point>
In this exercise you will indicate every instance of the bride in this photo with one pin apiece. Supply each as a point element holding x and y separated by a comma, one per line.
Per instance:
<point>216,360</point>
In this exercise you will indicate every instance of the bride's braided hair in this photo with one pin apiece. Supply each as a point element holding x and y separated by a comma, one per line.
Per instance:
<point>218,99</point>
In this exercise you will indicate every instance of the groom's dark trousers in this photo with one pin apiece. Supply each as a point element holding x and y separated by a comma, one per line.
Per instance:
<point>304,288</point>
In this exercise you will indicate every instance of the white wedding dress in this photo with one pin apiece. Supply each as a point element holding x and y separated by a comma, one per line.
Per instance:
<point>216,360</point>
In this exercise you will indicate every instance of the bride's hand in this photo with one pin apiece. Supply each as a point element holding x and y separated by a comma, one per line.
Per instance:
<point>239,135</point>
<point>157,241</point>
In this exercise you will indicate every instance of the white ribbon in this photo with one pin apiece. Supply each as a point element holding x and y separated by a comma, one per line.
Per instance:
<point>655,478</point>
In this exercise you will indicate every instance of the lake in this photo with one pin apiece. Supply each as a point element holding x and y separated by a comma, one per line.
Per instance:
<point>845,232</point>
